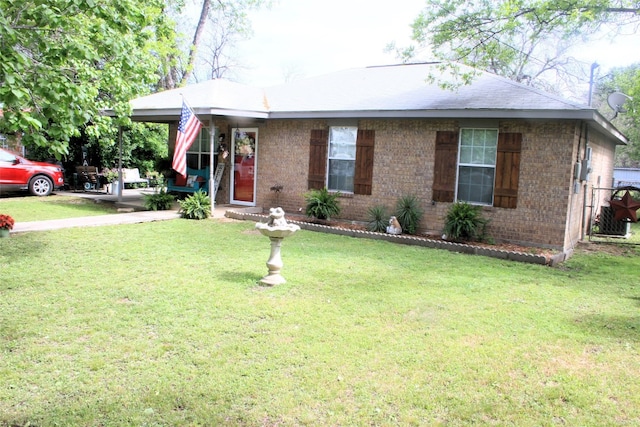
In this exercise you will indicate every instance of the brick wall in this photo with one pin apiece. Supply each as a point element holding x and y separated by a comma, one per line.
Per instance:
<point>403,165</point>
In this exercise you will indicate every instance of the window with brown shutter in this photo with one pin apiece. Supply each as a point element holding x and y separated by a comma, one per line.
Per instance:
<point>363,178</point>
<point>318,159</point>
<point>363,175</point>
<point>445,166</point>
<point>507,170</point>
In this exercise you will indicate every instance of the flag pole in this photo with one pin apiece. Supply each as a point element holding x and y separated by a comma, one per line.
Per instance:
<point>212,134</point>
<point>189,105</point>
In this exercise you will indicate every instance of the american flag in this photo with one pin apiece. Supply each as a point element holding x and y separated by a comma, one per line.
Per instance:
<point>188,129</point>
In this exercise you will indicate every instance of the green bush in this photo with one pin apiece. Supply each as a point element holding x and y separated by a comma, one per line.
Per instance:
<point>322,204</point>
<point>195,206</point>
<point>160,201</point>
<point>378,219</point>
<point>464,222</point>
<point>408,213</point>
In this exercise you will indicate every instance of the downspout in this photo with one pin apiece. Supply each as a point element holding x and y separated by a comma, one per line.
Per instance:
<point>575,189</point>
<point>583,225</point>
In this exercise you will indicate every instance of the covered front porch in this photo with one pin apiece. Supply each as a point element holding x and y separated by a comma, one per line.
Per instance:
<point>223,159</point>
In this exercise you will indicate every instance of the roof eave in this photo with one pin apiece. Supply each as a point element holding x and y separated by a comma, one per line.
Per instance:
<point>437,113</point>
<point>605,125</point>
<point>173,115</point>
<point>589,115</point>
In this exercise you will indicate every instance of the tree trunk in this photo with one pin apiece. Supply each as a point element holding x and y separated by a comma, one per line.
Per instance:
<point>206,4</point>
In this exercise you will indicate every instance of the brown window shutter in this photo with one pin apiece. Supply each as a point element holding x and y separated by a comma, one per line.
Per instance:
<point>507,170</point>
<point>364,162</point>
<point>445,165</point>
<point>318,159</point>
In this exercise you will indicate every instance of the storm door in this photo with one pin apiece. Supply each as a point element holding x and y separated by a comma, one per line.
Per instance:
<point>244,146</point>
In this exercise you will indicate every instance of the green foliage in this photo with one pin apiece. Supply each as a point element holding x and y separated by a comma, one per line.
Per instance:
<point>408,213</point>
<point>196,206</point>
<point>322,204</point>
<point>160,201</point>
<point>464,222</point>
<point>143,144</point>
<point>510,38</point>
<point>378,219</point>
<point>627,81</point>
<point>65,61</point>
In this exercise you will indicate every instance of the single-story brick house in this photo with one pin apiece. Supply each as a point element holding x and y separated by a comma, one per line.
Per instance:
<point>378,133</point>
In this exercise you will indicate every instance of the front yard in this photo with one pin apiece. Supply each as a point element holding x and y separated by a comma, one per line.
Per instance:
<point>163,324</point>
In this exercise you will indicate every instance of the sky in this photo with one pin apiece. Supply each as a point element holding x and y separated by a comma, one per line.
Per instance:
<point>305,38</point>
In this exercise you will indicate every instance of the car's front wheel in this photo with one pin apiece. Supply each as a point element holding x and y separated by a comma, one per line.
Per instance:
<point>40,186</point>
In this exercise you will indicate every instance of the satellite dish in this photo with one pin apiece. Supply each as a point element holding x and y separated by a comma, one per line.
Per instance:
<point>616,101</point>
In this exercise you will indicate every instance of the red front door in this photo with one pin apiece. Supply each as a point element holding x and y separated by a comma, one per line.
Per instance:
<point>245,146</point>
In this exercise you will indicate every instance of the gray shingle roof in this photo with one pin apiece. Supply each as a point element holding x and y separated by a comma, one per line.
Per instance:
<point>405,88</point>
<point>372,92</point>
<point>217,97</point>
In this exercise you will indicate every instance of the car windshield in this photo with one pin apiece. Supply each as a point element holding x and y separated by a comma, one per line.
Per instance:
<point>7,157</point>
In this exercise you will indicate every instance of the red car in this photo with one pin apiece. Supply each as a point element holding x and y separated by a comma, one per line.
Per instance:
<point>18,173</point>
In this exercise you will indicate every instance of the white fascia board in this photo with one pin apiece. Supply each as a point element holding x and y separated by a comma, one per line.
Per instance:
<point>173,115</point>
<point>439,114</point>
<point>591,116</point>
<point>608,128</point>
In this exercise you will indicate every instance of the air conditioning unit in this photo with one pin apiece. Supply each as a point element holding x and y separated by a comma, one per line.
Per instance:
<point>609,226</point>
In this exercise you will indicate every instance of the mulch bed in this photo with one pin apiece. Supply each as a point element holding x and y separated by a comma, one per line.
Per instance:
<point>550,256</point>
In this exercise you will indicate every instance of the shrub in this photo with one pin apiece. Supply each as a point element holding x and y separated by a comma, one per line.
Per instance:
<point>195,206</point>
<point>408,213</point>
<point>464,222</point>
<point>322,204</point>
<point>160,201</point>
<point>377,219</point>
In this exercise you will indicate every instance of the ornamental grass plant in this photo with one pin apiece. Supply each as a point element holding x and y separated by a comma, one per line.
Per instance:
<point>322,204</point>
<point>408,213</point>
<point>464,222</point>
<point>195,206</point>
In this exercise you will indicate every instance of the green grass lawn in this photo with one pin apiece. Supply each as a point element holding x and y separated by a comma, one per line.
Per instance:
<point>162,324</point>
<point>29,208</point>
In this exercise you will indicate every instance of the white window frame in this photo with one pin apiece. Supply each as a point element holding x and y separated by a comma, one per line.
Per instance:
<point>347,154</point>
<point>469,163</point>
<point>201,148</point>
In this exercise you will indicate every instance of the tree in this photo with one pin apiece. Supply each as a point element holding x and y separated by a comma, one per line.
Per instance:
<point>524,40</point>
<point>63,61</point>
<point>222,32</point>
<point>222,21</point>
<point>627,81</point>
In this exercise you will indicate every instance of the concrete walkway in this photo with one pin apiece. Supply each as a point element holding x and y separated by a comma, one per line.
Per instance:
<point>92,221</point>
<point>131,205</point>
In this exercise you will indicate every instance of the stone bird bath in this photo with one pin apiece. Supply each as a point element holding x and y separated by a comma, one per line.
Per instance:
<point>276,230</point>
